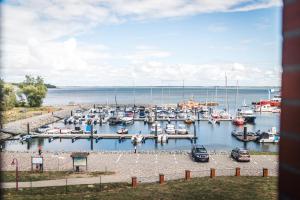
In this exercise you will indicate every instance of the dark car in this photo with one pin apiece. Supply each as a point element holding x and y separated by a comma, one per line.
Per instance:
<point>240,154</point>
<point>199,154</point>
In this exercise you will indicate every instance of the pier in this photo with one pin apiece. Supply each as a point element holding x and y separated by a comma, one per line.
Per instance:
<point>107,136</point>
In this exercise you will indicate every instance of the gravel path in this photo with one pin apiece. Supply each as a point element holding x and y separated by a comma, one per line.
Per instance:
<point>20,126</point>
<point>146,166</point>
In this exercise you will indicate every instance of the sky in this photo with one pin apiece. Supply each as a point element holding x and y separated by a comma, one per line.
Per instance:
<point>142,42</point>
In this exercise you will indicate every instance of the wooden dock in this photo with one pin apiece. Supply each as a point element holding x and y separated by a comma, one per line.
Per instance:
<point>180,120</point>
<point>107,136</point>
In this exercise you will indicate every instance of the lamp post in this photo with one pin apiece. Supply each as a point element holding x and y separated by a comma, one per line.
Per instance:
<point>15,162</point>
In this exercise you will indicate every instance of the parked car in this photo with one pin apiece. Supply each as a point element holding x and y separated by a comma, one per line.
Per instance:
<point>240,154</point>
<point>199,154</point>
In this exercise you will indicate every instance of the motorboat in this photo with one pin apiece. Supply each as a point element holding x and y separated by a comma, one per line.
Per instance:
<point>69,120</point>
<point>270,136</point>
<point>224,115</point>
<point>247,113</point>
<point>78,114</point>
<point>151,120</point>
<point>183,115</point>
<point>25,138</point>
<point>239,120</point>
<point>43,129</point>
<point>114,120</point>
<point>163,138</point>
<point>122,131</point>
<point>213,121</point>
<point>181,129</point>
<point>127,120</point>
<point>138,138</point>
<point>142,113</point>
<point>264,108</point>
<point>172,115</point>
<point>156,127</point>
<point>105,119</point>
<point>170,129</point>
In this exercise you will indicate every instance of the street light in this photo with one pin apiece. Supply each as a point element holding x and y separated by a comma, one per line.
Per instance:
<point>15,162</point>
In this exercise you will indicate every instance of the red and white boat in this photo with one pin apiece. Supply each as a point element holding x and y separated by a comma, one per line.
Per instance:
<point>238,121</point>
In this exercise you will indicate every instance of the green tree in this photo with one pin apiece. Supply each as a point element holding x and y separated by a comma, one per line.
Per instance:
<point>8,96</point>
<point>34,89</point>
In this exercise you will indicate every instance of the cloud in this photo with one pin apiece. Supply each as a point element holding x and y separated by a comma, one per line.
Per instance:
<point>205,74</point>
<point>146,52</point>
<point>40,38</point>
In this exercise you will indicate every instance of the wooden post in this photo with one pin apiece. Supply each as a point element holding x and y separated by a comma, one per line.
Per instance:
<point>195,132</point>
<point>134,182</point>
<point>187,174</point>
<point>155,131</point>
<point>161,178</point>
<point>237,171</point>
<point>245,133</point>
<point>212,172</point>
<point>28,129</point>
<point>265,172</point>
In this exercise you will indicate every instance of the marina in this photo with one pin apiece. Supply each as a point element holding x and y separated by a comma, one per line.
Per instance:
<point>172,126</point>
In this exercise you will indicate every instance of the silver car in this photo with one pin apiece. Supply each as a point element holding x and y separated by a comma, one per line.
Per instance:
<point>240,154</point>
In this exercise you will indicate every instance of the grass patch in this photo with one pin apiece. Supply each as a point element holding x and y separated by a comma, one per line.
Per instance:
<point>10,176</point>
<point>197,188</point>
<point>18,113</point>
<point>263,153</point>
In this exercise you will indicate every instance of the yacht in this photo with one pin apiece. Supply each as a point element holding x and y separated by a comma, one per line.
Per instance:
<point>127,120</point>
<point>122,131</point>
<point>170,129</point>
<point>239,120</point>
<point>247,113</point>
<point>138,138</point>
<point>156,126</point>
<point>264,108</point>
<point>269,137</point>
<point>181,129</point>
<point>163,138</point>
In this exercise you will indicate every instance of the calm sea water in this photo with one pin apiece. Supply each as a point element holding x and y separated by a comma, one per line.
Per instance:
<point>216,137</point>
<point>155,95</point>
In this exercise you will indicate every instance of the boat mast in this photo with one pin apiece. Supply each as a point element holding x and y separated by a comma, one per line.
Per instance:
<point>206,96</point>
<point>134,93</point>
<point>237,94</point>
<point>216,100</point>
<point>151,96</point>
<point>162,93</point>
<point>227,107</point>
<point>183,90</point>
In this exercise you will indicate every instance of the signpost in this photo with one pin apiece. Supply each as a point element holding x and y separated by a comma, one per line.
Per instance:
<point>38,162</point>
<point>15,162</point>
<point>79,160</point>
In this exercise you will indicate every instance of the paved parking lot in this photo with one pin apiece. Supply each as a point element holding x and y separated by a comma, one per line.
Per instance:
<point>127,165</point>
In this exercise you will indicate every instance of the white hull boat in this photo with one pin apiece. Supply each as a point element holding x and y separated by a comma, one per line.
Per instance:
<point>170,129</point>
<point>181,130</point>
<point>137,138</point>
<point>162,138</point>
<point>159,130</point>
